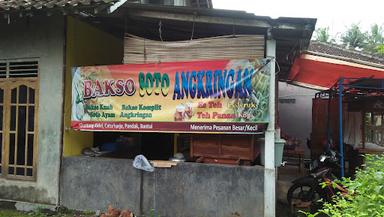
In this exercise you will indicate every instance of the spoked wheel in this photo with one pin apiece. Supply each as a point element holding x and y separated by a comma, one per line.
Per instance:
<point>304,197</point>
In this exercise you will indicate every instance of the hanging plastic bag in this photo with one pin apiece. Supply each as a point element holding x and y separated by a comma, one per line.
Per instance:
<point>141,163</point>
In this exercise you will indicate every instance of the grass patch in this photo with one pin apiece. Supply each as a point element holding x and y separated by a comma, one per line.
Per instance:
<point>12,213</point>
<point>44,213</point>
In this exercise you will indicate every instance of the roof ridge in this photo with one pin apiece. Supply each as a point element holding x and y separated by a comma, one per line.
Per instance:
<point>7,6</point>
<point>363,53</point>
<point>340,51</point>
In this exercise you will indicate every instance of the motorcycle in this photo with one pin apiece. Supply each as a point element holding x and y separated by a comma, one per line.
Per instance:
<point>306,193</point>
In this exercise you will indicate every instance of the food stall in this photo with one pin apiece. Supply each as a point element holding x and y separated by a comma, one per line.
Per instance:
<point>349,83</point>
<point>183,97</point>
<point>189,85</point>
<point>349,117</point>
<point>206,103</point>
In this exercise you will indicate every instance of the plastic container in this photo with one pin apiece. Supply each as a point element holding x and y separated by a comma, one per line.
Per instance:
<point>279,148</point>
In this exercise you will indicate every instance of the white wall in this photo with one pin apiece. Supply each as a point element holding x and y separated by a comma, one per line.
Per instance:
<point>295,119</point>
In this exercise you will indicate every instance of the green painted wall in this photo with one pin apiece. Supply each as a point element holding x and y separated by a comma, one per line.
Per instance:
<point>85,45</point>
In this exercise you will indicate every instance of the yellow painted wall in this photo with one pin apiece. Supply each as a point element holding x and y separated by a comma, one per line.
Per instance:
<point>85,45</point>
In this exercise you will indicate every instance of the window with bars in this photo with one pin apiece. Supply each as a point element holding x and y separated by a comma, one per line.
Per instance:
<point>18,118</point>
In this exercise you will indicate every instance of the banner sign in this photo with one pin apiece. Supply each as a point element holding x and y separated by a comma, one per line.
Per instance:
<point>226,96</point>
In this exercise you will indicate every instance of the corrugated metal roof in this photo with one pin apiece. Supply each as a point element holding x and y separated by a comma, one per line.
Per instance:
<point>12,5</point>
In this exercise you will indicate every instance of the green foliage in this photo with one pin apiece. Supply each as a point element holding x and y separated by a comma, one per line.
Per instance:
<point>365,196</point>
<point>375,36</point>
<point>354,37</point>
<point>323,35</point>
<point>152,213</point>
<point>380,49</point>
<point>12,213</point>
<point>371,41</point>
<point>375,39</point>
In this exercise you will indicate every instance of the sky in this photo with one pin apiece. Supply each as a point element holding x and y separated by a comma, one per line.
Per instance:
<point>335,14</point>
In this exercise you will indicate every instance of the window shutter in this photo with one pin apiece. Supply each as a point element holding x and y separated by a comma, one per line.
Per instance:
<point>23,69</point>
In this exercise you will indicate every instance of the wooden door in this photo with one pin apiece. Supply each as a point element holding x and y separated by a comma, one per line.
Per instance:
<point>19,128</point>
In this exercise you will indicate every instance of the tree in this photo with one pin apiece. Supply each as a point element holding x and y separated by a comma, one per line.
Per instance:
<point>354,37</point>
<point>370,41</point>
<point>322,35</point>
<point>375,39</point>
<point>375,36</point>
<point>380,49</point>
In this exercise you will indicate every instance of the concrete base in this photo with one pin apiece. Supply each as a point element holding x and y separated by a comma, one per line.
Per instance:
<point>186,190</point>
<point>28,207</point>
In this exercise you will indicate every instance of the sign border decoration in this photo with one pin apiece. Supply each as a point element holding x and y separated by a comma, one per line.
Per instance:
<point>216,96</point>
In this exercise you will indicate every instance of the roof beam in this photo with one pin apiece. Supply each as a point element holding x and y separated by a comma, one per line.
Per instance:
<point>195,16</point>
<point>199,18</point>
<point>376,66</point>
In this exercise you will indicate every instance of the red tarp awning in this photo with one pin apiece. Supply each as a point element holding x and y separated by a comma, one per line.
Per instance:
<point>323,72</point>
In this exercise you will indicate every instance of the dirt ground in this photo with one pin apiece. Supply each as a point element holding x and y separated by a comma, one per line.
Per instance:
<point>282,210</point>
